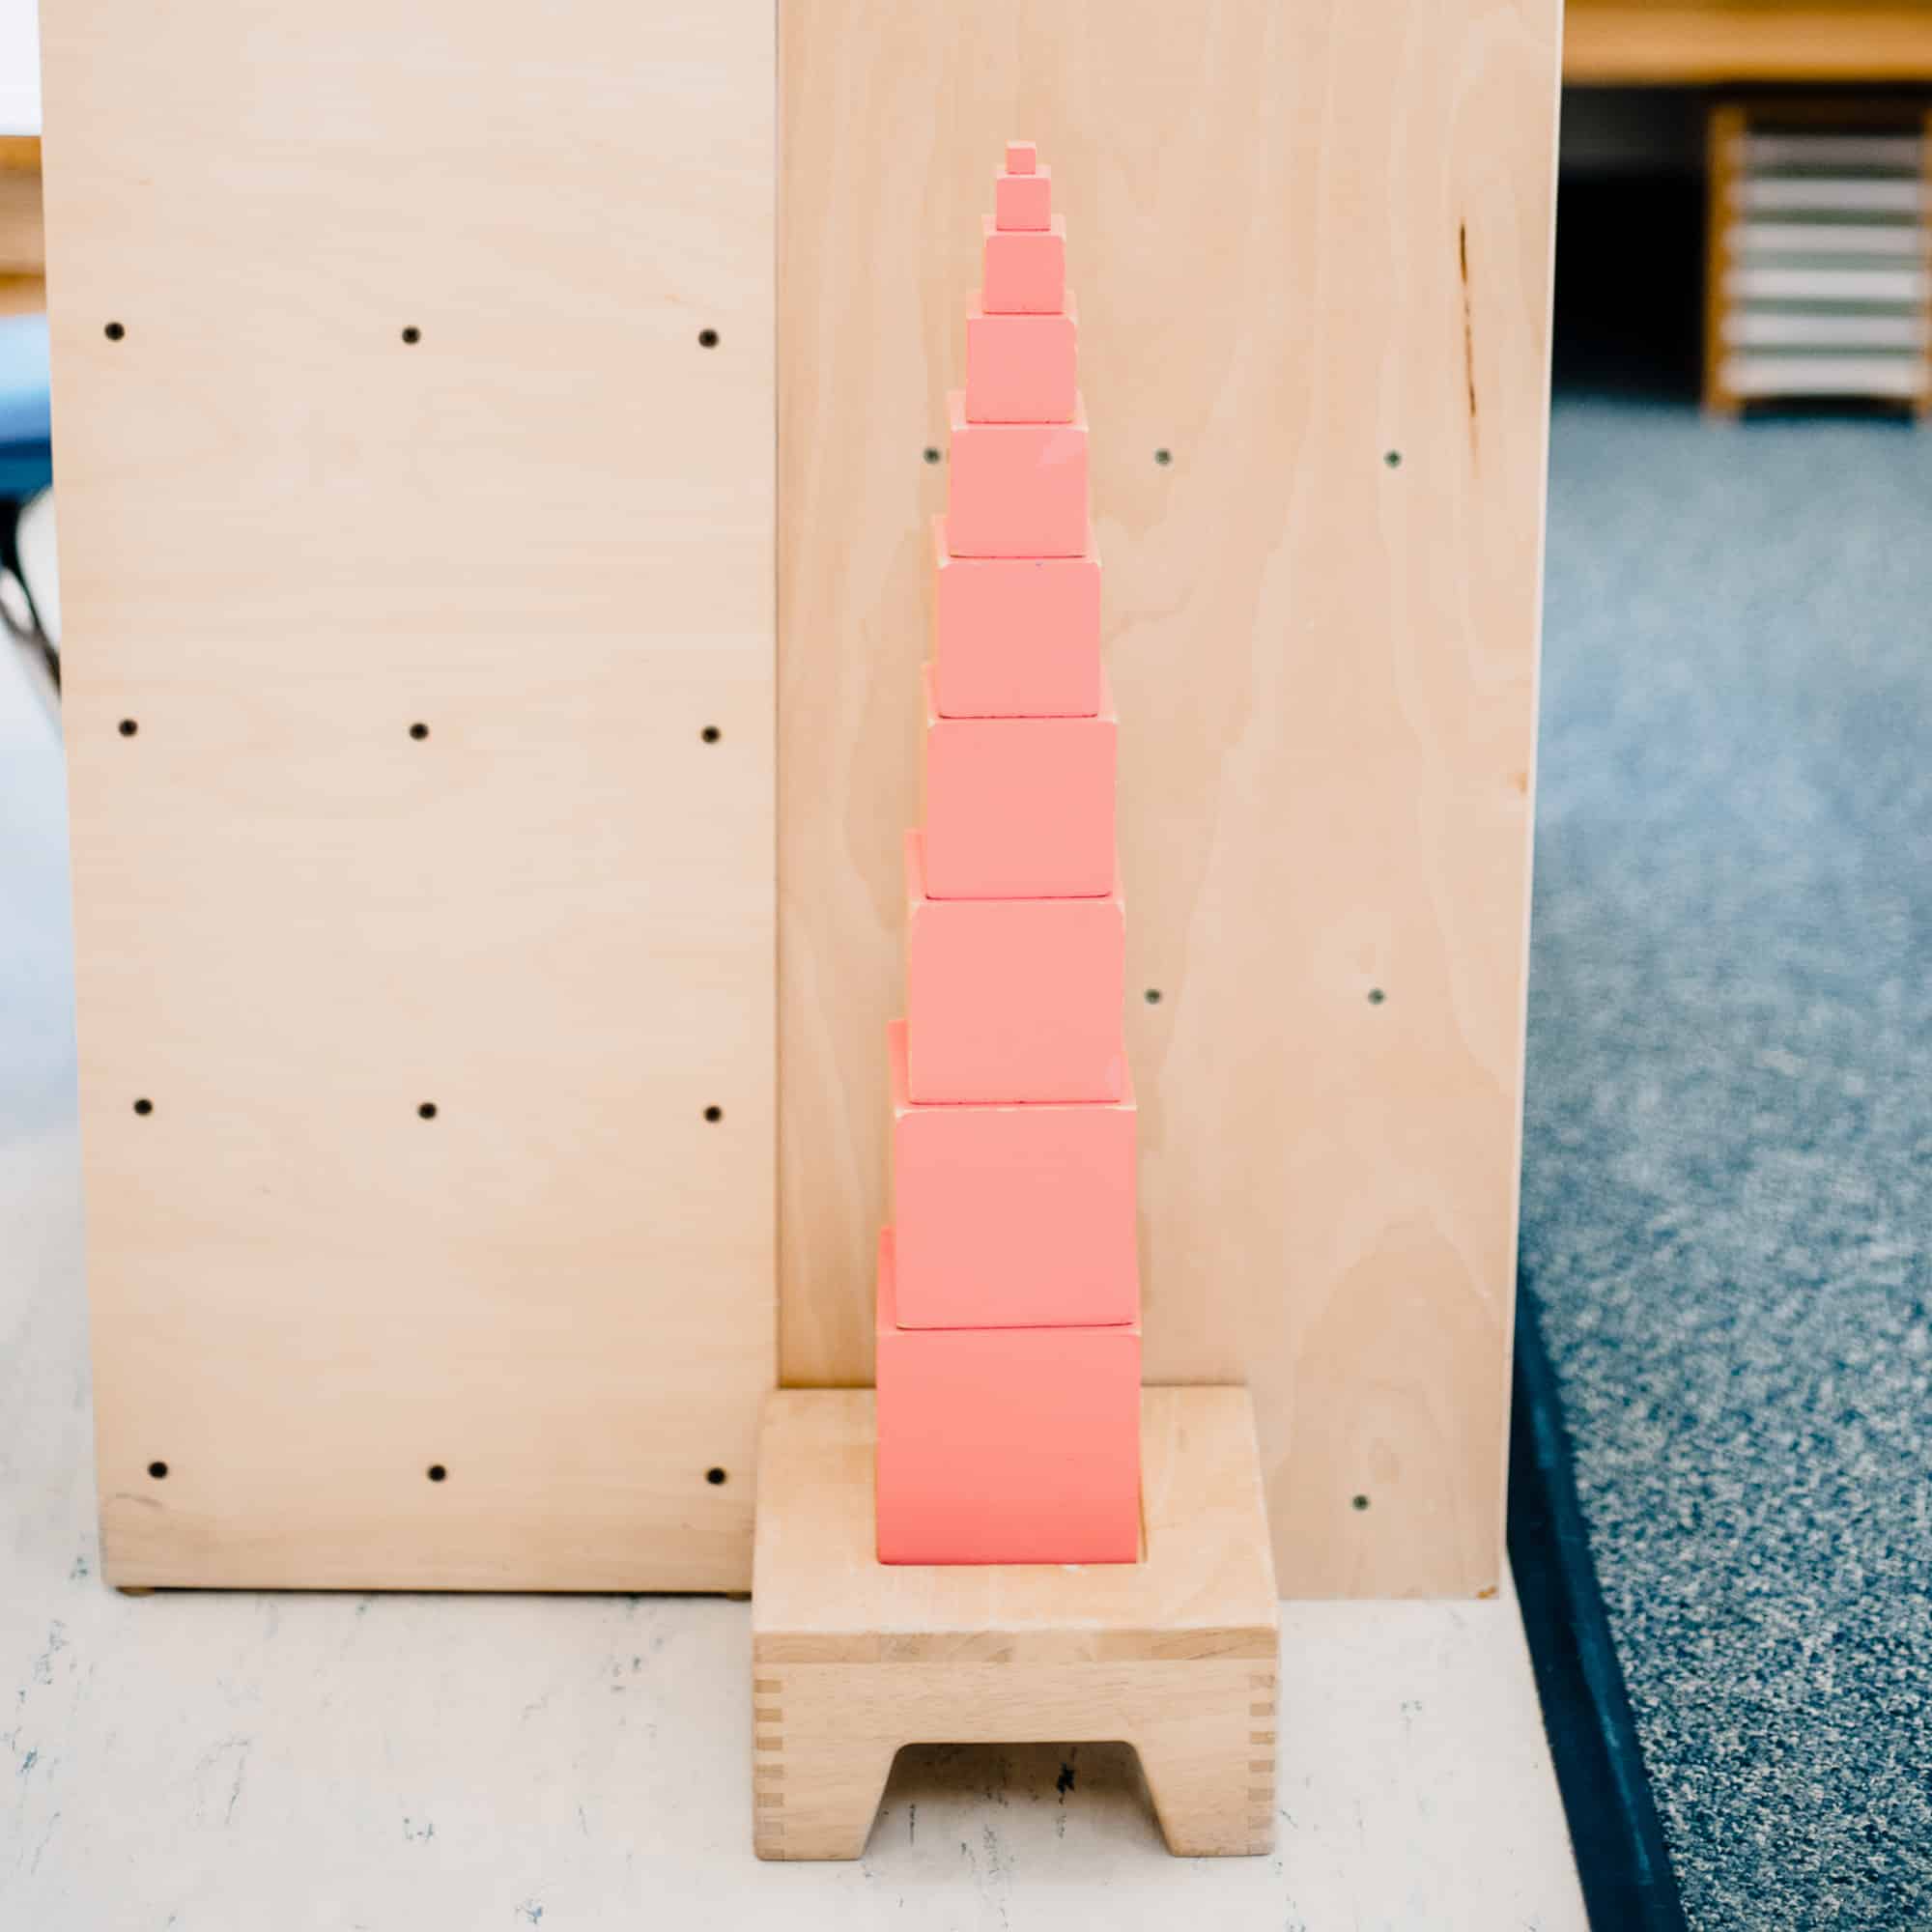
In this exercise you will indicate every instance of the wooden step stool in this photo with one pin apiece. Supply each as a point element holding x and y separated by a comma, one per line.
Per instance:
<point>1175,1655</point>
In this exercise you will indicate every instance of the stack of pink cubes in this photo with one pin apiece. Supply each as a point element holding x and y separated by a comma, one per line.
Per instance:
<point>1009,1291</point>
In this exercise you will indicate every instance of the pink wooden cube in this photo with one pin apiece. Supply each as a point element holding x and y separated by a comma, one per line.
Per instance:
<point>1006,1445</point>
<point>1015,636</point>
<point>1023,201</point>
<point>1022,157</point>
<point>1024,270</point>
<point>1014,999</point>
<point>1019,807</point>
<point>1017,488</point>
<point>1021,368</point>
<point>1012,1217</point>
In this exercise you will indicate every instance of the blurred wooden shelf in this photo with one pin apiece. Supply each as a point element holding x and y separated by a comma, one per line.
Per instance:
<point>22,243</point>
<point>1713,42</point>
<point>1818,279</point>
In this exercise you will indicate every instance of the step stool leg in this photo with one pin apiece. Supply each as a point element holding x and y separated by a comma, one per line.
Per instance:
<point>812,1797</point>
<point>1210,1771</point>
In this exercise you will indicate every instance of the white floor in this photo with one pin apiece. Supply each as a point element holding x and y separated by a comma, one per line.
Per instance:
<point>286,1762</point>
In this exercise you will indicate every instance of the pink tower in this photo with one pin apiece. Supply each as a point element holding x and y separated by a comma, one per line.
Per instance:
<point>1008,1291</point>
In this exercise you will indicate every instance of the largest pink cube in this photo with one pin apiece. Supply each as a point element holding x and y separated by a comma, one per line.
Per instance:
<point>1006,1445</point>
<point>1015,636</point>
<point>1019,808</point>
<point>1017,488</point>
<point>1012,1216</point>
<point>1014,999</point>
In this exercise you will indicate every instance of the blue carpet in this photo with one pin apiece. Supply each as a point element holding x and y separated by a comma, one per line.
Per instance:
<point>1727,1185</point>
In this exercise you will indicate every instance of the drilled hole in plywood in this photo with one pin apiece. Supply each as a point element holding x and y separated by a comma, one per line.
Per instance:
<point>419,731</point>
<point>711,734</point>
<point>1152,996</point>
<point>1392,458</point>
<point>114,332</point>
<point>1359,1503</point>
<point>159,1470</point>
<point>707,338</point>
<point>929,453</point>
<point>412,335</point>
<point>427,1110</point>
<point>715,1476</point>
<point>437,1473</point>
<point>144,1107</point>
<point>1163,457</point>
<point>129,727</point>
<point>1377,995</point>
<point>714,1115</point>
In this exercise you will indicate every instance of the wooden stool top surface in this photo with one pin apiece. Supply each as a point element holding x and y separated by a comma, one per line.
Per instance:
<point>1205,1587</point>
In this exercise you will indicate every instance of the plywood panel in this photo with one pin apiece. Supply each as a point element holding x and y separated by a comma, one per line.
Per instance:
<point>381,402</point>
<point>1312,249</point>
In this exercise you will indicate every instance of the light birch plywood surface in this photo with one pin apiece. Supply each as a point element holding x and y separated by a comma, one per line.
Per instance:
<point>1312,251</point>
<point>413,541</point>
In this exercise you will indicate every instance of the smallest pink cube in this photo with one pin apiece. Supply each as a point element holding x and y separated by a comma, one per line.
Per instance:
<point>1022,157</point>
